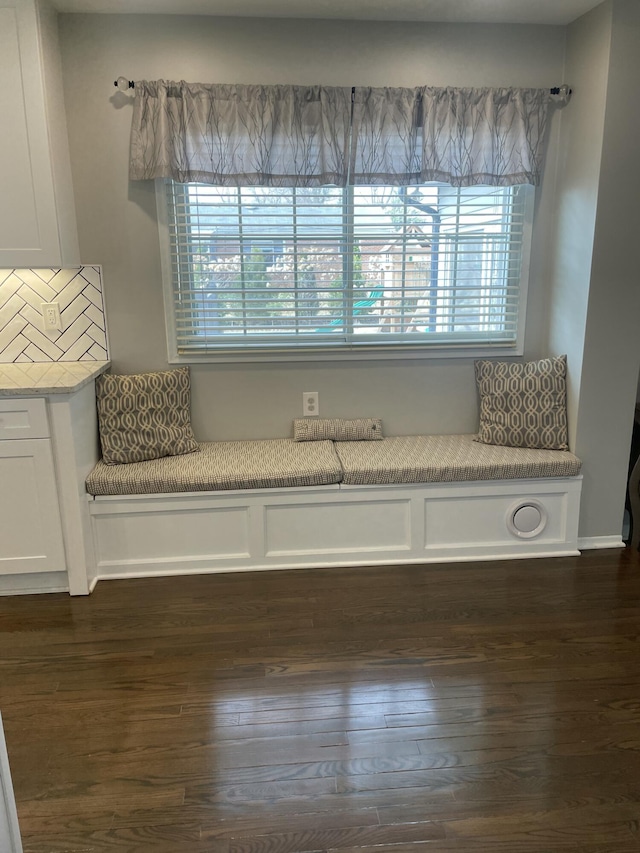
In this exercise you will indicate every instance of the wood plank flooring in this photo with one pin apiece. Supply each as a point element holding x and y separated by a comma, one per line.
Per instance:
<point>480,707</point>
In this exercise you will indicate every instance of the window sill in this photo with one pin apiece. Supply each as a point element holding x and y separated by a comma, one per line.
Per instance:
<point>388,353</point>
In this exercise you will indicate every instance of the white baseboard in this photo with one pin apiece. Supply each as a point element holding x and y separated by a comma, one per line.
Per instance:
<point>177,569</point>
<point>33,584</point>
<point>589,543</point>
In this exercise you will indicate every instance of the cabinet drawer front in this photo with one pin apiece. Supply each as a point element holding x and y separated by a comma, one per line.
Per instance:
<point>23,418</point>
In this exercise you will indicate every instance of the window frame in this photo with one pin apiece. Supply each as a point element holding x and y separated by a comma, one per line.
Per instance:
<point>345,351</point>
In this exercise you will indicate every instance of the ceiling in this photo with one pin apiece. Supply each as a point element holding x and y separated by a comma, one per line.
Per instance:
<point>559,12</point>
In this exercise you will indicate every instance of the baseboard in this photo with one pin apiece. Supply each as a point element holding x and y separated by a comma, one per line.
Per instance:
<point>588,543</point>
<point>177,569</point>
<point>35,583</point>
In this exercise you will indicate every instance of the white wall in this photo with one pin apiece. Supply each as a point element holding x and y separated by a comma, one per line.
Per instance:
<point>117,220</point>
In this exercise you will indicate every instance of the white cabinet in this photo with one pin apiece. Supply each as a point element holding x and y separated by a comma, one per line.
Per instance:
<point>30,526</point>
<point>9,830</point>
<point>37,217</point>
<point>48,445</point>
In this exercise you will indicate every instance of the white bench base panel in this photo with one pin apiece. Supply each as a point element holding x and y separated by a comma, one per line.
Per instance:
<point>200,532</point>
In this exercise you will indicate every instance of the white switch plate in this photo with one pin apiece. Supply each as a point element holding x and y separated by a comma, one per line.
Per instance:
<point>310,405</point>
<point>52,321</point>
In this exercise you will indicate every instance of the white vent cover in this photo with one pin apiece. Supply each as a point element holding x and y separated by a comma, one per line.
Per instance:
<point>527,519</point>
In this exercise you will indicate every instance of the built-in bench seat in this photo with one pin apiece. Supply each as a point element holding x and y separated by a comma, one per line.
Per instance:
<point>283,463</point>
<point>273,504</point>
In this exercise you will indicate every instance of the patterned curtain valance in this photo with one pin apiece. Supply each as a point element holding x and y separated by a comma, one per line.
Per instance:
<point>304,136</point>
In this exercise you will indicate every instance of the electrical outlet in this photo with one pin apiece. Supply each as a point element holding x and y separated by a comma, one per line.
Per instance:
<point>310,404</point>
<point>52,321</point>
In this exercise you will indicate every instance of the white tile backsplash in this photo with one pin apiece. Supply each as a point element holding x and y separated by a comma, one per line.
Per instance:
<point>78,292</point>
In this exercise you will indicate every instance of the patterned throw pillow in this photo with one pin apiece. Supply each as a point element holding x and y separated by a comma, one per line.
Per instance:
<point>144,416</point>
<point>523,405</point>
<point>337,429</point>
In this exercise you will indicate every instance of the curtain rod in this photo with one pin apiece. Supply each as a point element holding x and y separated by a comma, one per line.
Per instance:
<point>123,84</point>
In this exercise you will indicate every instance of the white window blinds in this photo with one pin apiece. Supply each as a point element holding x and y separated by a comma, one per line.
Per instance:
<point>344,268</point>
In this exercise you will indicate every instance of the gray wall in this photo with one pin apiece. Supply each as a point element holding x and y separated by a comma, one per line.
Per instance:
<point>582,130</point>
<point>594,306</point>
<point>117,220</point>
<point>611,357</point>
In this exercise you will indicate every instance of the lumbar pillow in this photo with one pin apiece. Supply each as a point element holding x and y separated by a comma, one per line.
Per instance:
<point>337,429</point>
<point>523,405</point>
<point>144,416</point>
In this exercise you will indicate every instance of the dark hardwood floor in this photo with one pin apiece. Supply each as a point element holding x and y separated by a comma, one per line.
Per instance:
<point>480,707</point>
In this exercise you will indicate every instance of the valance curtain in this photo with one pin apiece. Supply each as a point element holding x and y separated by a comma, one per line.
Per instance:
<point>305,136</point>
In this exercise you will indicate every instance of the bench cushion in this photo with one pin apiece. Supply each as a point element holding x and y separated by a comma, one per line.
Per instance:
<point>270,463</point>
<point>447,459</point>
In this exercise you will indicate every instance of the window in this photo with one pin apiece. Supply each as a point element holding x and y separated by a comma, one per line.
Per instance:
<point>401,271</point>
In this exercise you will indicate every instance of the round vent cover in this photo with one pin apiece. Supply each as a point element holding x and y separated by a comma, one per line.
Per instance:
<point>527,519</point>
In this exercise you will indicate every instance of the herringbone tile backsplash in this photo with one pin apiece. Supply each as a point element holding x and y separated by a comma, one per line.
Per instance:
<point>78,292</point>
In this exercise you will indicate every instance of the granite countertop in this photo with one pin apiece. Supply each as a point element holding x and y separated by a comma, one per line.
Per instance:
<point>51,377</point>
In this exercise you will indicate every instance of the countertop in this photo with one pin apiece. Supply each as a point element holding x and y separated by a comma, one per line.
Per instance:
<point>50,377</point>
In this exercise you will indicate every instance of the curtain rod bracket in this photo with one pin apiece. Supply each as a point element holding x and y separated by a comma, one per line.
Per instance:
<point>564,91</point>
<point>123,84</point>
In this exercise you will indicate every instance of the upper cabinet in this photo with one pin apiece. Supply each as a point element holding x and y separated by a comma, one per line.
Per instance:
<point>37,215</point>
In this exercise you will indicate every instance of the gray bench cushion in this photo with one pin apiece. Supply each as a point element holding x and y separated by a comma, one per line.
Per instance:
<point>265,464</point>
<point>446,459</point>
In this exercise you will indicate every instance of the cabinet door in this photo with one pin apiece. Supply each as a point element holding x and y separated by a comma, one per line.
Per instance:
<point>37,214</point>
<point>30,529</point>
